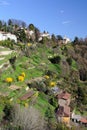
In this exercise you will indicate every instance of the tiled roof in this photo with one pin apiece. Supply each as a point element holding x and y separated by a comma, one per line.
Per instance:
<point>64,95</point>
<point>63,111</point>
<point>66,111</point>
<point>83,120</point>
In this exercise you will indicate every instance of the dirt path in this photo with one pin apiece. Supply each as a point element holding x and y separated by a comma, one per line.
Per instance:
<point>2,58</point>
<point>35,79</point>
<point>5,52</point>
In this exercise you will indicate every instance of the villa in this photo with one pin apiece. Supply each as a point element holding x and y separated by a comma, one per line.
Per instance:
<point>5,36</point>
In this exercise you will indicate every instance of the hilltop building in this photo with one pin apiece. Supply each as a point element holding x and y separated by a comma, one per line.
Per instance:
<point>5,36</point>
<point>44,34</point>
<point>66,40</point>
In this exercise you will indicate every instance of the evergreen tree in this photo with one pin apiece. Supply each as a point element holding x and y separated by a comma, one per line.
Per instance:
<point>31,27</point>
<point>0,24</point>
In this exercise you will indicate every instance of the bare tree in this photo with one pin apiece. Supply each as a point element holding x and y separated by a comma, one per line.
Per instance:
<point>28,118</point>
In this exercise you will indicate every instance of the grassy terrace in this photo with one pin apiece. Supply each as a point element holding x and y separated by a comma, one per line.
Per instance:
<point>34,66</point>
<point>5,56</point>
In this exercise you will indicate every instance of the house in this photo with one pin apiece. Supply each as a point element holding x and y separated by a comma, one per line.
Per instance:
<point>5,36</point>
<point>66,40</point>
<point>75,118</point>
<point>64,98</point>
<point>27,95</point>
<point>45,34</point>
<point>83,121</point>
<point>63,114</point>
<point>31,32</point>
<point>11,37</point>
<point>63,111</point>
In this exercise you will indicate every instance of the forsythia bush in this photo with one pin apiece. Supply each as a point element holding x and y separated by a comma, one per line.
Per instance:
<point>9,80</point>
<point>46,76</point>
<point>52,84</point>
<point>20,78</point>
<point>36,94</point>
<point>26,104</point>
<point>23,74</point>
<point>29,44</point>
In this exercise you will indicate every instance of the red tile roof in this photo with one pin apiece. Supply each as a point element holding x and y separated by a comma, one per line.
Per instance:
<point>66,111</point>
<point>63,111</point>
<point>83,120</point>
<point>64,95</point>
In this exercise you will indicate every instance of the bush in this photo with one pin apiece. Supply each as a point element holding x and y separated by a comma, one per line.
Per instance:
<point>69,60</point>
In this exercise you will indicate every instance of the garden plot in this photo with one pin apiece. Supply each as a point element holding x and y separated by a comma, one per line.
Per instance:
<point>5,54</point>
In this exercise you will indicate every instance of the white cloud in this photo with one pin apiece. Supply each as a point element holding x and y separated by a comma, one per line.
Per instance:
<point>66,22</point>
<point>3,2</point>
<point>61,11</point>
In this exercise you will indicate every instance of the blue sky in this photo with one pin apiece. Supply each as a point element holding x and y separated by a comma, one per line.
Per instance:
<point>59,17</point>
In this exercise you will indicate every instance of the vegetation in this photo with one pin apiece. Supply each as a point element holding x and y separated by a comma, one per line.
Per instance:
<point>39,66</point>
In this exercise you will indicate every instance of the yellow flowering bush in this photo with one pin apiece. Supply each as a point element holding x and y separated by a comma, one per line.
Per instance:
<point>52,84</point>
<point>23,74</point>
<point>26,104</point>
<point>18,101</point>
<point>29,44</point>
<point>9,80</point>
<point>36,94</point>
<point>46,76</point>
<point>20,78</point>
<point>11,99</point>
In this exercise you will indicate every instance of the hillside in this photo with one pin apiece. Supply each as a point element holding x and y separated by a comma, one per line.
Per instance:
<point>64,65</point>
<point>43,79</point>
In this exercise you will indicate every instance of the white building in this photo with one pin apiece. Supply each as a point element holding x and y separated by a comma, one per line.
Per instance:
<point>5,36</point>
<point>66,40</point>
<point>44,35</point>
<point>31,32</point>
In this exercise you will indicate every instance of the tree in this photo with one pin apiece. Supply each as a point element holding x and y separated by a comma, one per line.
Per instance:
<point>82,95</point>
<point>44,40</point>
<point>53,101</point>
<point>15,27</point>
<point>7,110</point>
<point>21,35</point>
<point>55,60</point>
<point>83,74</point>
<point>31,27</point>
<point>32,38</point>
<point>53,37</point>
<point>23,24</point>
<point>49,116</point>
<point>69,60</point>
<point>12,62</point>
<point>0,24</point>
<point>61,126</point>
<point>27,118</point>
<point>59,37</point>
<point>4,27</point>
<point>10,22</point>
<point>76,40</point>
<point>37,34</point>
